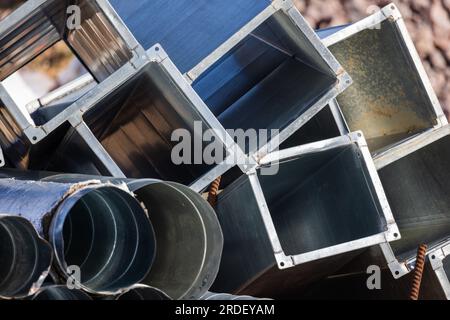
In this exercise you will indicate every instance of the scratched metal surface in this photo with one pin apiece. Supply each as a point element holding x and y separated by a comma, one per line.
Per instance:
<point>188,30</point>
<point>31,200</point>
<point>387,101</point>
<point>417,188</point>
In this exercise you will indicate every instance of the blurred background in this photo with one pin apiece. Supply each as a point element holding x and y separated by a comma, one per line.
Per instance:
<point>428,22</point>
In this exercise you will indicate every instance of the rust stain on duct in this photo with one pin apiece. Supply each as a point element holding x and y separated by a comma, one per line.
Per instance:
<point>386,101</point>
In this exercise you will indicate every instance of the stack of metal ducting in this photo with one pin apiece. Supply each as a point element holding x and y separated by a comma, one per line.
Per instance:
<point>354,174</point>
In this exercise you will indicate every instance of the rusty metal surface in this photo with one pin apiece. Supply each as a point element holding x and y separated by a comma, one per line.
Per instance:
<point>386,100</point>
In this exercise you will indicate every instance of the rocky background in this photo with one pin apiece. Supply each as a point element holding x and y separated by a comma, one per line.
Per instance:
<point>428,21</point>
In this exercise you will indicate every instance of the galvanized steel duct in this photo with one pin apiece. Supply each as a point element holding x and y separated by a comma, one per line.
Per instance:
<point>25,257</point>
<point>188,233</point>
<point>98,227</point>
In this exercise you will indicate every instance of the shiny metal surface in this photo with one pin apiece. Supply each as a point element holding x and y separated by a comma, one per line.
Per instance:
<point>188,235</point>
<point>309,210</point>
<point>180,26</point>
<point>100,228</point>
<point>226,297</point>
<point>141,292</point>
<point>134,123</point>
<point>187,231</point>
<point>276,75</point>
<point>60,293</point>
<point>25,257</point>
<point>101,42</point>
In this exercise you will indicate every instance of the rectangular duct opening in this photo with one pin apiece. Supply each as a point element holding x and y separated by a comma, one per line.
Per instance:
<point>135,123</point>
<point>267,80</point>
<point>417,188</point>
<point>86,39</point>
<point>91,36</point>
<point>387,100</point>
<point>322,199</point>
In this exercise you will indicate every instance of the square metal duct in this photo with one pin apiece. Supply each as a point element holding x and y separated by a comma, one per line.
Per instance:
<point>391,98</point>
<point>325,199</point>
<point>101,42</point>
<point>188,30</point>
<point>126,125</point>
<point>416,186</point>
<point>274,74</point>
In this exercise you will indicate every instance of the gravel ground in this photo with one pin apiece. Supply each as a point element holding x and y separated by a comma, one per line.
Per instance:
<point>428,22</point>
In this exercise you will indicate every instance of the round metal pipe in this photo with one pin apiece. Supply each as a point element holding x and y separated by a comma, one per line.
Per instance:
<point>226,296</point>
<point>25,258</point>
<point>99,228</point>
<point>60,293</point>
<point>142,292</point>
<point>187,231</point>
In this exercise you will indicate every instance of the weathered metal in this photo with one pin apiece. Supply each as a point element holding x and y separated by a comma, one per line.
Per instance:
<point>100,229</point>
<point>391,98</point>
<point>188,235</point>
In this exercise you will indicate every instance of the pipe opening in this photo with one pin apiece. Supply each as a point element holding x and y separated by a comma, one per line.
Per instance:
<point>416,187</point>
<point>189,239</point>
<point>106,233</point>
<point>24,257</point>
<point>387,100</point>
<point>326,197</point>
<point>268,80</point>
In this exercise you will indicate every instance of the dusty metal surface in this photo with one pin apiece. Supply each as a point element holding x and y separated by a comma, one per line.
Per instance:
<point>387,100</point>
